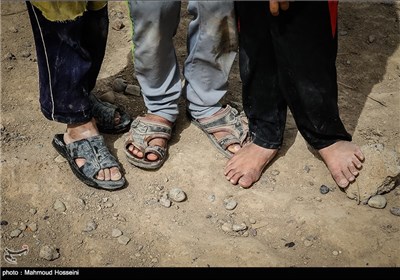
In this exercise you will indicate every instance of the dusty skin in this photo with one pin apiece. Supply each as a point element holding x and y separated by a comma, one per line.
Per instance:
<point>289,222</point>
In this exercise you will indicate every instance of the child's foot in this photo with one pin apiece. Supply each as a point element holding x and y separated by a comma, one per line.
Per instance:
<point>246,166</point>
<point>344,160</point>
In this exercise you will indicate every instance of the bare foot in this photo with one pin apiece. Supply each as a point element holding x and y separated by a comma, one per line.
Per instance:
<point>161,142</point>
<point>246,166</point>
<point>344,160</point>
<point>77,132</point>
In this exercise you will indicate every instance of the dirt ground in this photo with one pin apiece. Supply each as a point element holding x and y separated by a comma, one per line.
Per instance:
<point>288,221</point>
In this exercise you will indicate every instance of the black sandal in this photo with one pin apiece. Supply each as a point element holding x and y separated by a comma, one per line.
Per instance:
<point>104,114</point>
<point>97,156</point>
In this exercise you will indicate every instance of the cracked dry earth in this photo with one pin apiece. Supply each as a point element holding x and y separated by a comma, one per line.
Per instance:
<point>282,221</point>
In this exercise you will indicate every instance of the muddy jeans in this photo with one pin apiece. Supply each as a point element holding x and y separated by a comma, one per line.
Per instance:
<point>211,46</point>
<point>69,56</point>
<point>289,61</point>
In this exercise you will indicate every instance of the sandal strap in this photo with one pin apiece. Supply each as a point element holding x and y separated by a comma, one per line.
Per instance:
<point>143,131</point>
<point>228,120</point>
<point>96,154</point>
<point>157,150</point>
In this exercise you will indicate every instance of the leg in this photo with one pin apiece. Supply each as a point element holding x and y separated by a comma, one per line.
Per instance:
<point>306,38</point>
<point>156,67</point>
<point>63,80</point>
<point>212,47</point>
<point>262,100</point>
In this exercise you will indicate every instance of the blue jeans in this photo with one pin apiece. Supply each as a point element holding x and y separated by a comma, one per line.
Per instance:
<point>69,57</point>
<point>211,46</point>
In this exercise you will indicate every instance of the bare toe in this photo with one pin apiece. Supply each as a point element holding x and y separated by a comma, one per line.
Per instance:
<point>101,176</point>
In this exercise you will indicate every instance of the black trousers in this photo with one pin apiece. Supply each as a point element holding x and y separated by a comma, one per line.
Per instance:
<point>69,56</point>
<point>290,61</point>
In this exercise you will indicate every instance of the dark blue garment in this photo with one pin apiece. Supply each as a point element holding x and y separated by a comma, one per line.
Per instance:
<point>69,56</point>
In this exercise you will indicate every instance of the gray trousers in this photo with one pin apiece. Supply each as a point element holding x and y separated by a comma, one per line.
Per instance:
<point>212,43</point>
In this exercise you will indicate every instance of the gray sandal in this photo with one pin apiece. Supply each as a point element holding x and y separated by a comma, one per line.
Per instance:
<point>141,133</point>
<point>228,120</point>
<point>97,157</point>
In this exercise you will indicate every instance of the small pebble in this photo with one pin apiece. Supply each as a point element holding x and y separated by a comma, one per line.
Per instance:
<point>118,25</point>
<point>123,240</point>
<point>239,227</point>
<point>59,206</point>
<point>108,205</point>
<point>90,226</point>
<point>275,172</point>
<point>252,221</point>
<point>318,199</point>
<point>133,90</point>
<point>119,85</point>
<point>253,231</point>
<point>15,233</point>
<point>49,253</point>
<point>116,233</point>
<point>324,189</point>
<point>211,198</point>
<point>60,159</point>
<point>33,227</point>
<point>371,38</point>
<point>227,227</point>
<point>342,33</point>
<point>245,234</point>
<point>22,226</point>
<point>177,195</point>
<point>3,223</point>
<point>395,211</point>
<point>230,204</point>
<point>377,201</point>
<point>164,201</point>
<point>154,260</point>
<point>335,253</point>
<point>25,54</point>
<point>33,211</point>
<point>108,96</point>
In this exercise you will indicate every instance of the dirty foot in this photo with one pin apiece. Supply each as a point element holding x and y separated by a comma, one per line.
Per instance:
<point>246,166</point>
<point>344,160</point>
<point>77,132</point>
<point>160,142</point>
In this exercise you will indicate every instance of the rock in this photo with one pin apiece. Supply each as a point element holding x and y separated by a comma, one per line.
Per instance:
<point>116,233</point>
<point>211,198</point>
<point>377,201</point>
<point>252,221</point>
<point>118,25</point>
<point>324,189</point>
<point>49,253</point>
<point>22,227</point>
<point>342,33</point>
<point>227,227</point>
<point>379,174</point>
<point>230,204</point>
<point>13,29</point>
<point>164,201</point>
<point>240,227</point>
<point>275,172</point>
<point>33,211</point>
<point>15,233</point>
<point>108,204</point>
<point>371,39</point>
<point>154,260</point>
<point>33,227</point>
<point>133,90</point>
<point>119,85</point>
<point>59,206</point>
<point>25,54</point>
<point>90,226</point>
<point>177,195</point>
<point>335,253</point>
<point>60,159</point>
<point>395,211</point>
<point>123,240</point>
<point>108,96</point>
